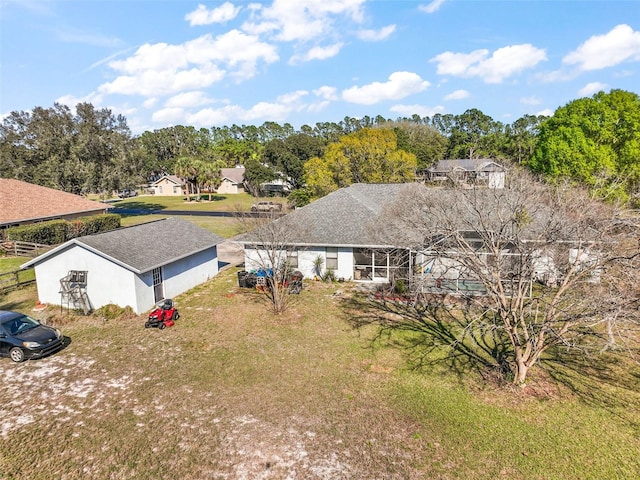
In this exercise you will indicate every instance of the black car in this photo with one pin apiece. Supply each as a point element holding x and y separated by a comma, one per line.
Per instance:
<point>22,337</point>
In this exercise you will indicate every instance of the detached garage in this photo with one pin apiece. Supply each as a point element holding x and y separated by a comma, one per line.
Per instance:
<point>134,266</point>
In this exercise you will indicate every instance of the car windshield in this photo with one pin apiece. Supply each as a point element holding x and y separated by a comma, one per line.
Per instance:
<point>20,325</point>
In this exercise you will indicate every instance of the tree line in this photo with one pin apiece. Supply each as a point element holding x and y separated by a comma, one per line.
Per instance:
<point>594,141</point>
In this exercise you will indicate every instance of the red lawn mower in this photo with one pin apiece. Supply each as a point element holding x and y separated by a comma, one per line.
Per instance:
<point>163,315</point>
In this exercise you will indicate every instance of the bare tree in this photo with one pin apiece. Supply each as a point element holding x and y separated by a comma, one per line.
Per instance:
<point>501,276</point>
<point>269,249</point>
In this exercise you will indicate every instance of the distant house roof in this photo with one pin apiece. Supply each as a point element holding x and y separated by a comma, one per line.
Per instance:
<point>235,175</point>
<point>345,217</point>
<point>171,178</point>
<point>141,248</point>
<point>468,164</point>
<point>22,202</point>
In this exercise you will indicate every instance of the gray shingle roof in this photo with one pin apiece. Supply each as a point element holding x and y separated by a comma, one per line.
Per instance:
<point>469,164</point>
<point>236,175</point>
<point>141,248</point>
<point>342,218</point>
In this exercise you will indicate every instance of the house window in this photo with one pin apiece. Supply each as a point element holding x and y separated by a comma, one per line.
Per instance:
<point>332,258</point>
<point>292,258</point>
<point>159,188</point>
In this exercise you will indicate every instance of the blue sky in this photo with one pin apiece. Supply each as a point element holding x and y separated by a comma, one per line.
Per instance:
<point>178,62</point>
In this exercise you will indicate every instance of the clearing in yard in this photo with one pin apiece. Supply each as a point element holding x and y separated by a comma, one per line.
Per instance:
<point>232,392</point>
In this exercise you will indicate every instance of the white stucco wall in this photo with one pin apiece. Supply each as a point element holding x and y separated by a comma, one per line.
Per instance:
<point>227,186</point>
<point>167,188</point>
<point>306,259</point>
<point>189,272</point>
<point>107,282</point>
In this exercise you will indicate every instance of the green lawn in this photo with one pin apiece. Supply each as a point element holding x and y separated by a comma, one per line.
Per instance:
<point>224,203</point>
<point>226,227</point>
<point>233,392</point>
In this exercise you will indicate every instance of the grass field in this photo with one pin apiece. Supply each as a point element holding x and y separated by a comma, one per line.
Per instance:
<point>222,203</point>
<point>226,227</point>
<point>232,392</point>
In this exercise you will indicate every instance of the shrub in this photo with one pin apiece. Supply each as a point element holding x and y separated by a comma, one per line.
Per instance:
<point>58,231</point>
<point>47,233</point>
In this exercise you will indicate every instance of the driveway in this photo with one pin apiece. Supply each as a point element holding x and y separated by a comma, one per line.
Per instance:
<point>230,254</point>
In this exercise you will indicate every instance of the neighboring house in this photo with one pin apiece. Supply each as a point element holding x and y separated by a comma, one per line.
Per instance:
<point>168,185</point>
<point>466,171</point>
<point>276,187</point>
<point>22,203</point>
<point>338,229</point>
<point>232,180</point>
<point>134,266</point>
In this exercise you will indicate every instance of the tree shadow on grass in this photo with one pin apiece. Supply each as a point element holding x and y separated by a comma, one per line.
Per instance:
<point>136,205</point>
<point>608,380</point>
<point>433,337</point>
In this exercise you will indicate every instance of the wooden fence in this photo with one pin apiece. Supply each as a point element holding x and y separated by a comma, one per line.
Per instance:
<point>16,279</point>
<point>23,249</point>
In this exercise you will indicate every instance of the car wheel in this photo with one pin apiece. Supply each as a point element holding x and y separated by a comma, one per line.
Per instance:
<point>16,354</point>
<point>147,325</point>
<point>175,315</point>
<point>161,326</point>
<point>254,209</point>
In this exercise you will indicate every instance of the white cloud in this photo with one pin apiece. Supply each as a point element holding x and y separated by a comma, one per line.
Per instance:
<point>161,69</point>
<point>601,51</point>
<point>547,112</point>
<point>400,85</point>
<point>71,101</point>
<point>302,20</point>
<point>203,16</point>
<point>530,100</point>
<point>432,7</point>
<point>457,95</point>
<point>150,102</point>
<point>591,88</point>
<point>274,111</point>
<point>422,110</point>
<point>376,35</point>
<point>188,99</point>
<point>503,63</point>
<point>170,116</point>
<point>327,93</point>
<point>318,53</point>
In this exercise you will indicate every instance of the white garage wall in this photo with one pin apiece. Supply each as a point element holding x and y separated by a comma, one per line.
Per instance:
<point>107,282</point>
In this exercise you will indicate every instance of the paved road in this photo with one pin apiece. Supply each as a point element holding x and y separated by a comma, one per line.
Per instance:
<point>197,213</point>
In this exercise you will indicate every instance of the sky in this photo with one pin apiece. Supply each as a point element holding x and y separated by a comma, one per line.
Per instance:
<point>162,63</point>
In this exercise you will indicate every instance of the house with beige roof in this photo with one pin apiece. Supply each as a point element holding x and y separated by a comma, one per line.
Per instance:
<point>22,203</point>
<point>232,180</point>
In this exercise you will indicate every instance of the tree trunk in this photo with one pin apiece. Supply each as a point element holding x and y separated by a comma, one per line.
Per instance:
<point>520,373</point>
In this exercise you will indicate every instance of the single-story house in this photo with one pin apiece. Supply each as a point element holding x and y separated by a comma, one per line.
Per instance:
<point>337,229</point>
<point>134,266</point>
<point>22,203</point>
<point>232,180</point>
<point>372,233</point>
<point>470,170</point>
<point>168,185</point>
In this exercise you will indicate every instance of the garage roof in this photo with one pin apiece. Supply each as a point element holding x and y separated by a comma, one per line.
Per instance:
<point>141,248</point>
